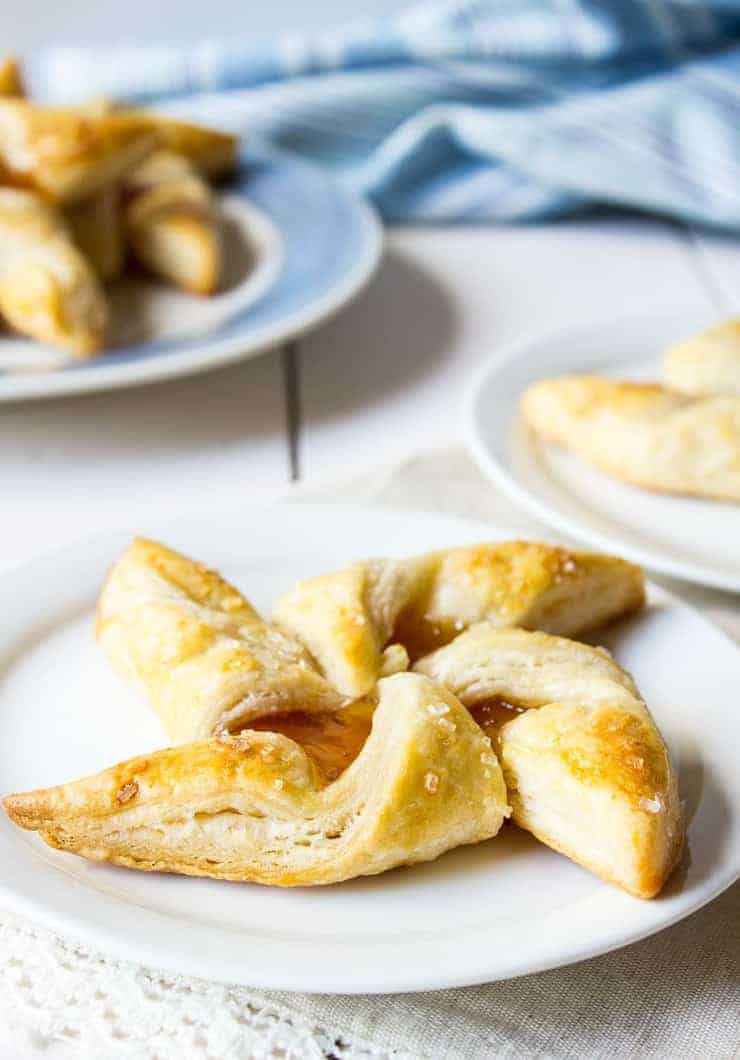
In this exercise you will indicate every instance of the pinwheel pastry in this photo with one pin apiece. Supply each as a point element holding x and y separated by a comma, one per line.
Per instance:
<point>47,288</point>
<point>646,434</point>
<point>316,787</point>
<point>255,806</point>
<point>586,770</point>
<point>708,363</point>
<point>171,222</point>
<point>348,619</point>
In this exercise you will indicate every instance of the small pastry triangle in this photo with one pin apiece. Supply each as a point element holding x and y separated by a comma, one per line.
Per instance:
<point>586,769</point>
<point>171,222</point>
<point>66,154</point>
<point>197,649</point>
<point>348,618</point>
<point>47,288</point>
<point>646,434</point>
<point>213,153</point>
<point>255,807</point>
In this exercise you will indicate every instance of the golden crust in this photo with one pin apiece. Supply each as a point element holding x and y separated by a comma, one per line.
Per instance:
<point>197,649</point>
<point>97,229</point>
<point>708,363</point>
<point>643,433</point>
<point>172,224</point>
<point>253,807</point>
<point>47,288</point>
<point>66,154</point>
<point>11,82</point>
<point>212,152</point>
<point>617,768</point>
<point>348,618</point>
<point>586,768</point>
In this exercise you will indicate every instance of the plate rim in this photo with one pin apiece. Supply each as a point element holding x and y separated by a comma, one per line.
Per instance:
<point>232,349</point>
<point>147,950</point>
<point>499,473</point>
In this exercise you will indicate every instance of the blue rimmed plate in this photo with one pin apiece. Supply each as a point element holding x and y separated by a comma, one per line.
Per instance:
<point>298,248</point>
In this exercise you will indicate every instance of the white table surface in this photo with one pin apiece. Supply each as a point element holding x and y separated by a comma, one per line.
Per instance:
<point>384,377</point>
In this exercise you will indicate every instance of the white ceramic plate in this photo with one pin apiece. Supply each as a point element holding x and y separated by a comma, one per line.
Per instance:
<point>298,247</point>
<point>499,909</point>
<point>685,537</point>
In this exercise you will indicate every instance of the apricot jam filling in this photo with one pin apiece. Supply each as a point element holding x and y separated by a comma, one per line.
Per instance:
<point>332,739</point>
<point>492,713</point>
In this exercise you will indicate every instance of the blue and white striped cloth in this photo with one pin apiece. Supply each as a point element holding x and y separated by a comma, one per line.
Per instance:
<point>475,110</point>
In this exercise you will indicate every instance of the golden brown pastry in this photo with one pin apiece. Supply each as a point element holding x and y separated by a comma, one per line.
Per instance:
<point>66,154</point>
<point>197,649</point>
<point>11,82</point>
<point>642,433</point>
<point>347,619</point>
<point>171,222</point>
<point>708,363</point>
<point>212,152</point>
<point>97,228</point>
<point>47,288</point>
<point>255,807</point>
<point>586,769</point>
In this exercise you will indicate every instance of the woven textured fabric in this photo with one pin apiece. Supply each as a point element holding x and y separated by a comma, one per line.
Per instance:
<point>474,110</point>
<point>60,1001</point>
<point>674,995</point>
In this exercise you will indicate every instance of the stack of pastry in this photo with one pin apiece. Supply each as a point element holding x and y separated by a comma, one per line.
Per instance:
<point>388,712</point>
<point>84,190</point>
<point>682,437</point>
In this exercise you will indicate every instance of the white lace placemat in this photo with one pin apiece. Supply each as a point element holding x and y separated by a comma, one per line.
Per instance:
<point>674,995</point>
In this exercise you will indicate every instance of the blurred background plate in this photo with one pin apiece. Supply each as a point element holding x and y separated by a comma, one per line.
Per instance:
<point>685,537</point>
<point>298,247</point>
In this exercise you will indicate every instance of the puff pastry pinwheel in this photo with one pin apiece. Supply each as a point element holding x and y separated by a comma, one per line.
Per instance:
<point>97,228</point>
<point>255,806</point>
<point>586,769</point>
<point>171,222</point>
<point>353,621</point>
<point>197,649</point>
<point>644,433</point>
<point>66,154</point>
<point>708,363</point>
<point>47,288</point>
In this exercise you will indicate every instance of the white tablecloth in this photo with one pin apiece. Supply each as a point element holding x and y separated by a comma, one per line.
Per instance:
<point>675,995</point>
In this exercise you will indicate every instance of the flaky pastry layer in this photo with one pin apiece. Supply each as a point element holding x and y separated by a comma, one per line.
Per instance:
<point>586,769</point>
<point>253,807</point>
<point>348,618</point>
<point>47,288</point>
<point>197,649</point>
<point>646,434</point>
<point>706,364</point>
